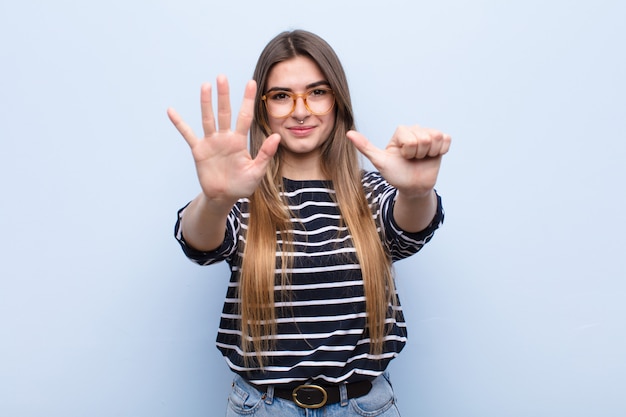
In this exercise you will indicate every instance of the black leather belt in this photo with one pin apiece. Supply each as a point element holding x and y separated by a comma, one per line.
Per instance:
<point>316,396</point>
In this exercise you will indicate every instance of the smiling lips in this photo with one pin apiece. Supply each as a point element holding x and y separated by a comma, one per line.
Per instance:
<point>301,130</point>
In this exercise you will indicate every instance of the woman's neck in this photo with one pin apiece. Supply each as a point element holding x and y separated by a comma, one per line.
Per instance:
<point>302,168</point>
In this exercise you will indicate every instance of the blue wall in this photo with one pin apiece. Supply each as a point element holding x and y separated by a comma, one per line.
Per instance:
<point>516,308</point>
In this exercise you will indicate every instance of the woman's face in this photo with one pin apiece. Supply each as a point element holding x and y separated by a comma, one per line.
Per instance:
<point>302,132</point>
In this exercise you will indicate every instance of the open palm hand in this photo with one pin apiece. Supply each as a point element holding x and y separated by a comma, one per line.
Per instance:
<point>224,166</point>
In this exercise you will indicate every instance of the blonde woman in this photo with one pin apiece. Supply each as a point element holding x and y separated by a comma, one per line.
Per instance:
<point>311,317</point>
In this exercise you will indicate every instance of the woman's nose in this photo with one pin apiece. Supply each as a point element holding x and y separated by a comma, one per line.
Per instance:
<point>300,111</point>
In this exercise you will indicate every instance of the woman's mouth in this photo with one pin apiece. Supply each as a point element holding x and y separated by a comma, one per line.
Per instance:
<point>301,130</point>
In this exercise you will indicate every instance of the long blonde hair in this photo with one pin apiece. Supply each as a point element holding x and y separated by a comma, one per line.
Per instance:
<point>269,213</point>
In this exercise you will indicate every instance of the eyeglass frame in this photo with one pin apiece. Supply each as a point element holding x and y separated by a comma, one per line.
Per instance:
<point>294,99</point>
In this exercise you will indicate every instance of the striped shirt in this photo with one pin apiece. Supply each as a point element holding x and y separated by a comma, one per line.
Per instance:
<point>321,332</point>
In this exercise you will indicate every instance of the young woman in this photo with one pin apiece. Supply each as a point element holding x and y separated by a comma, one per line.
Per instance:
<point>311,317</point>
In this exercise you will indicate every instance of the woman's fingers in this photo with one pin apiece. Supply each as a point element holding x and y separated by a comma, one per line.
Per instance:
<point>223,104</point>
<point>266,152</point>
<point>246,112</point>
<point>182,127</point>
<point>418,143</point>
<point>244,119</point>
<point>367,148</point>
<point>439,143</point>
<point>407,142</point>
<point>445,145</point>
<point>206,106</point>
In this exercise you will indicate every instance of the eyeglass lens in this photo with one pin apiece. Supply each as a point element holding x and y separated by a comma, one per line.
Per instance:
<point>318,101</point>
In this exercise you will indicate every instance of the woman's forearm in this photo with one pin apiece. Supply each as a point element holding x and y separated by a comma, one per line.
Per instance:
<point>414,214</point>
<point>204,223</point>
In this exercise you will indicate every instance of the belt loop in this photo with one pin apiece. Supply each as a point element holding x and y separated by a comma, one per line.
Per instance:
<point>343,394</point>
<point>269,395</point>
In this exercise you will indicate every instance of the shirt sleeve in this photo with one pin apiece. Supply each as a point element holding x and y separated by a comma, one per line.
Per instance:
<point>226,250</point>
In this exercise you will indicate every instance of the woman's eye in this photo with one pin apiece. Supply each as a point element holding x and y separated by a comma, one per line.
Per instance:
<point>318,92</point>
<point>280,96</point>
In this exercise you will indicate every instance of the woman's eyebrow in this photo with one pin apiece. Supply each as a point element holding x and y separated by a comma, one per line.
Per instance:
<point>308,86</point>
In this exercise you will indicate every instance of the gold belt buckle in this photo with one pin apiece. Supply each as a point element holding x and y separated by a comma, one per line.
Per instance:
<point>296,400</point>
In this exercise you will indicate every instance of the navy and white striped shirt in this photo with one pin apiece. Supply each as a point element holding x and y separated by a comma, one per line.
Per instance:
<point>321,325</point>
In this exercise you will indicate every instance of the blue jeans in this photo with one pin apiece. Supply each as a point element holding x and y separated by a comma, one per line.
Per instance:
<point>246,400</point>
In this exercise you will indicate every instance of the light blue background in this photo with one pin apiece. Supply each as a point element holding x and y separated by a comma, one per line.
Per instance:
<point>517,306</point>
